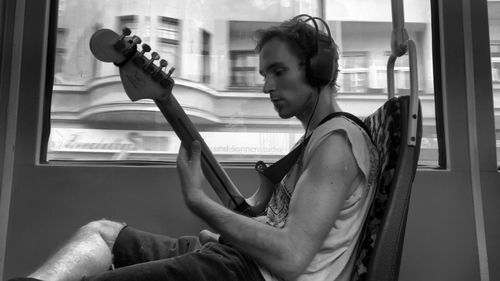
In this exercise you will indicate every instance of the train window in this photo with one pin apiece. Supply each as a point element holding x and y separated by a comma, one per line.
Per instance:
<point>211,45</point>
<point>494,22</point>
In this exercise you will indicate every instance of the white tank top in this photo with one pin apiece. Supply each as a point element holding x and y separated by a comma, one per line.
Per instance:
<point>333,260</point>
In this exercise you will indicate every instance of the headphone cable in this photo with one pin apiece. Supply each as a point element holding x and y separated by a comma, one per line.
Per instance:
<point>312,114</point>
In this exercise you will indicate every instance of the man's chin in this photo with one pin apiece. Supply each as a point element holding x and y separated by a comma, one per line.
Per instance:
<point>283,114</point>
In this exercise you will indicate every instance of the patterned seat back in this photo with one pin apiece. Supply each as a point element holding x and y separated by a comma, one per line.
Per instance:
<point>381,241</point>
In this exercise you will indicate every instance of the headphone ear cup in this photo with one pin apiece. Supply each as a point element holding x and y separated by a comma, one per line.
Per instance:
<point>321,66</point>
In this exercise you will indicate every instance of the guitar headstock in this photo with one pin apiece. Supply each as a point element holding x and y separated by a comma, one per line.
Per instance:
<point>141,77</point>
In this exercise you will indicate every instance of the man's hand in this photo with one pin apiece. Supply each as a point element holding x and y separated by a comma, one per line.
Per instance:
<point>190,173</point>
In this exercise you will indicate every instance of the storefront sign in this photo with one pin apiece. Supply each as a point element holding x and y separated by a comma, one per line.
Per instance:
<point>93,141</point>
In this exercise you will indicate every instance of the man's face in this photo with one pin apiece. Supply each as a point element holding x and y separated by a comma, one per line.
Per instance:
<point>285,79</point>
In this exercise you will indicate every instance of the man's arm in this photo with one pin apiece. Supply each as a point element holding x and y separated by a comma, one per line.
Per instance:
<point>314,207</point>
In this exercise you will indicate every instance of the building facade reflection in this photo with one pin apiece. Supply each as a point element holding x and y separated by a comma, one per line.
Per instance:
<point>211,45</point>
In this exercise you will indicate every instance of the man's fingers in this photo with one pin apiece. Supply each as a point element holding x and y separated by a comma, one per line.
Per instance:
<point>186,157</point>
<point>182,156</point>
<point>195,150</point>
<point>206,236</point>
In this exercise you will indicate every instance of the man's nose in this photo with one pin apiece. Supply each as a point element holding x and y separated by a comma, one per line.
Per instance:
<point>269,86</point>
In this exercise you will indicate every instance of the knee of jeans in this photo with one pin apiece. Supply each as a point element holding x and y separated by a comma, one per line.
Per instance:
<point>107,229</point>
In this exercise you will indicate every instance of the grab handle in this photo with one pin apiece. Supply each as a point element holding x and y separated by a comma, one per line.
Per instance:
<point>400,44</point>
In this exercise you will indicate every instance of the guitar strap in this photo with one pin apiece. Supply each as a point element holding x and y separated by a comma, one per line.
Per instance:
<point>278,170</point>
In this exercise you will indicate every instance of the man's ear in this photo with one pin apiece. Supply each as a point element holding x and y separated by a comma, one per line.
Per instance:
<point>303,70</point>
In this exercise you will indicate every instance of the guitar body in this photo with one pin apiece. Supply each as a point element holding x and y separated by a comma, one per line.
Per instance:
<point>142,78</point>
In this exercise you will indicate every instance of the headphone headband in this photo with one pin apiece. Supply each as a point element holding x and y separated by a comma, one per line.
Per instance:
<point>313,19</point>
<point>321,66</point>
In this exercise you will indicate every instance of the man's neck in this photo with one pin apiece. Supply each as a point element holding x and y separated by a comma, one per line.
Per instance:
<point>326,104</point>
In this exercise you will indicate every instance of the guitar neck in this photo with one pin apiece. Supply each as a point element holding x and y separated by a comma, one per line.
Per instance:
<point>142,79</point>
<point>216,176</point>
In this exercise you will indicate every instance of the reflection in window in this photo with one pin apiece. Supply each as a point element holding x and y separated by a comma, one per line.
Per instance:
<point>494,27</point>
<point>244,60</point>
<point>168,40</point>
<point>363,36</point>
<point>147,28</point>
<point>62,34</point>
<point>129,21</point>
<point>211,45</point>
<point>244,69</point>
<point>402,74</point>
<point>354,74</point>
<point>169,29</point>
<point>495,64</point>
<point>205,54</point>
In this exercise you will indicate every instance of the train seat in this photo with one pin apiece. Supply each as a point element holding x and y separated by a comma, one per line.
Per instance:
<point>381,242</point>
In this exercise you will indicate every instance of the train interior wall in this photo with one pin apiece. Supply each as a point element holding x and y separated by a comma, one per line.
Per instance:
<point>47,203</point>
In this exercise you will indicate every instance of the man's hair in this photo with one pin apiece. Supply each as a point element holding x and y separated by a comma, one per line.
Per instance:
<point>302,40</point>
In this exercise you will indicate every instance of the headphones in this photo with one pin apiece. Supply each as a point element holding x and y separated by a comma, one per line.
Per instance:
<point>321,66</point>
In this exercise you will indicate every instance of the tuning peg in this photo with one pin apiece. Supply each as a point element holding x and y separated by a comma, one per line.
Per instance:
<point>119,44</point>
<point>163,63</point>
<point>154,56</point>
<point>170,72</point>
<point>166,82</point>
<point>149,66</point>
<point>135,40</point>
<point>158,74</point>
<point>145,48</point>
<point>125,32</point>
<point>131,50</point>
<point>139,59</point>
